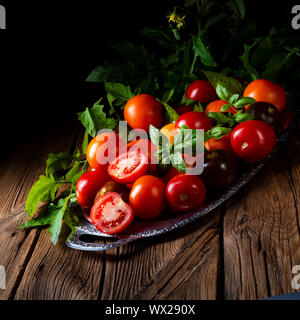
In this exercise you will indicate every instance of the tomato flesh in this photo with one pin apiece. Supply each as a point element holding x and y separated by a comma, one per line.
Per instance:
<point>110,214</point>
<point>128,167</point>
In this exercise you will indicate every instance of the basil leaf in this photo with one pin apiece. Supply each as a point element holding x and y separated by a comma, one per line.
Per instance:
<point>43,190</point>
<point>218,116</point>
<point>225,108</point>
<point>178,162</point>
<point>171,114</point>
<point>244,102</point>
<point>222,91</point>
<point>218,132</point>
<point>242,117</point>
<point>234,98</point>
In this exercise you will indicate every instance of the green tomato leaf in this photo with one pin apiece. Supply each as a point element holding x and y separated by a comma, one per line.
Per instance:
<point>119,93</point>
<point>232,84</point>
<point>85,142</point>
<point>71,221</point>
<point>43,190</point>
<point>245,57</point>
<point>94,119</point>
<point>203,52</point>
<point>58,162</point>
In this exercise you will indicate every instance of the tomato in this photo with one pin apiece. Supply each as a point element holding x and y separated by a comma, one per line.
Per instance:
<point>216,106</point>
<point>113,186</point>
<point>220,168</point>
<point>185,193</point>
<point>253,140</point>
<point>128,167</point>
<point>266,112</point>
<point>201,91</point>
<point>222,143</point>
<point>194,120</point>
<point>184,109</point>
<point>88,185</point>
<point>148,148</point>
<point>143,110</point>
<point>169,131</point>
<point>147,197</point>
<point>103,149</point>
<point>266,91</point>
<point>110,214</point>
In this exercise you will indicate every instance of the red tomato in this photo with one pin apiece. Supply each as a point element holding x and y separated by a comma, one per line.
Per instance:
<point>184,109</point>
<point>216,106</point>
<point>169,131</point>
<point>267,91</point>
<point>143,110</point>
<point>147,197</point>
<point>103,149</point>
<point>148,148</point>
<point>88,185</point>
<point>128,167</point>
<point>185,193</point>
<point>219,144</point>
<point>253,140</point>
<point>201,91</point>
<point>110,214</point>
<point>194,120</point>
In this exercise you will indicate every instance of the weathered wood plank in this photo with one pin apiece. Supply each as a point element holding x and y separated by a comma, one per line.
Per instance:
<point>19,170</point>
<point>261,230</point>
<point>184,264</point>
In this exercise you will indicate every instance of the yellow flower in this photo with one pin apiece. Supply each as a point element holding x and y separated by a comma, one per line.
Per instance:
<point>179,20</point>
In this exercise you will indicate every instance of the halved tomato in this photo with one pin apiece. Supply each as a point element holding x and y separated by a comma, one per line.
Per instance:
<point>110,214</point>
<point>128,167</point>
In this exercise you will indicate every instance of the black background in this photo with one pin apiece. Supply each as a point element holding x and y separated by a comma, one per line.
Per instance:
<point>49,48</point>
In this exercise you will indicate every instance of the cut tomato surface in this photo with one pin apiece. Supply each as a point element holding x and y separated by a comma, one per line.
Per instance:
<point>110,214</point>
<point>128,167</point>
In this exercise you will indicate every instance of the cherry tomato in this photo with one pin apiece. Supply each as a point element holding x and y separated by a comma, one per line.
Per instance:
<point>128,167</point>
<point>222,143</point>
<point>185,193</point>
<point>110,214</point>
<point>143,110</point>
<point>216,106</point>
<point>194,120</point>
<point>148,148</point>
<point>113,186</point>
<point>201,91</point>
<point>266,91</point>
<point>253,140</point>
<point>169,131</point>
<point>220,168</point>
<point>103,149</point>
<point>266,112</point>
<point>88,185</point>
<point>147,197</point>
<point>184,109</point>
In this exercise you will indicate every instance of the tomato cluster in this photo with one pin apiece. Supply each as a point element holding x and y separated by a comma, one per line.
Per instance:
<point>124,180</point>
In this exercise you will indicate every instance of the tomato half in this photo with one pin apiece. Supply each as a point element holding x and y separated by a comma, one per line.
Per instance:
<point>103,149</point>
<point>147,197</point>
<point>194,120</point>
<point>143,110</point>
<point>88,185</point>
<point>128,167</point>
<point>266,91</point>
<point>216,106</point>
<point>201,91</point>
<point>110,214</point>
<point>185,192</point>
<point>253,140</point>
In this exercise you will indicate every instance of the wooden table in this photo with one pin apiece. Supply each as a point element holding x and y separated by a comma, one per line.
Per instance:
<point>245,249</point>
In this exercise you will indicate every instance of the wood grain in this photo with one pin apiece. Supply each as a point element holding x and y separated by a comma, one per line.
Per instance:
<point>261,231</point>
<point>18,171</point>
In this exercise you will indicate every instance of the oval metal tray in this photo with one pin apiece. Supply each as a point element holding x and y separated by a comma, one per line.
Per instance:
<point>142,229</point>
